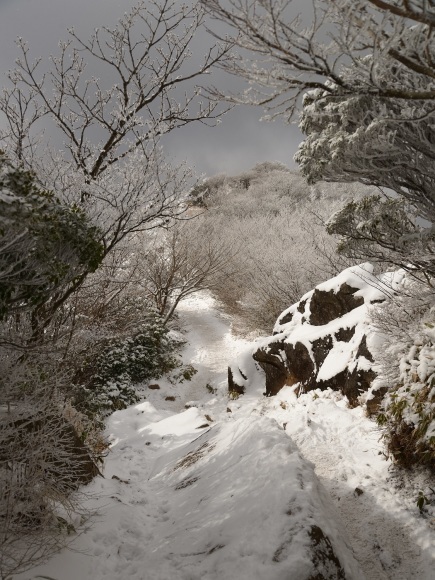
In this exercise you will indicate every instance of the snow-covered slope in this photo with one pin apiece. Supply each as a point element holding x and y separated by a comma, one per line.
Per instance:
<point>241,503</point>
<point>220,490</point>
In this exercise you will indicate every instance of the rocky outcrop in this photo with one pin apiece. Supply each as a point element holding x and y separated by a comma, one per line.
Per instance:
<point>233,386</point>
<point>321,342</point>
<point>284,364</point>
<point>327,306</point>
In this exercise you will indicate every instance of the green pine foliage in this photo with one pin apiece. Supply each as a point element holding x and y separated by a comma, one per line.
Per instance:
<point>121,364</point>
<point>408,417</point>
<point>44,243</point>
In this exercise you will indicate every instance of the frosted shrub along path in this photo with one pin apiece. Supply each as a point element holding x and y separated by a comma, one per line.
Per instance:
<point>220,491</point>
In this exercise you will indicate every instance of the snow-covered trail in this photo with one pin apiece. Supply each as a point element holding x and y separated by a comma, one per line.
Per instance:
<point>390,540</point>
<point>211,346</point>
<point>149,520</point>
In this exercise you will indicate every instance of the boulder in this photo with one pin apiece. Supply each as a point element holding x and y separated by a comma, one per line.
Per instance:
<point>233,386</point>
<point>327,306</point>
<point>321,341</point>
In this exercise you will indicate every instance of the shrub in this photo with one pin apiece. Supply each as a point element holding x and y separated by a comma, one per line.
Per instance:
<point>43,461</point>
<point>272,224</point>
<point>409,409</point>
<point>106,381</point>
<point>44,244</point>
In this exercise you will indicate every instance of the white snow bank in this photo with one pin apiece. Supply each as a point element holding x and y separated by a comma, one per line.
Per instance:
<point>240,503</point>
<point>143,515</point>
<point>182,424</point>
<point>336,361</point>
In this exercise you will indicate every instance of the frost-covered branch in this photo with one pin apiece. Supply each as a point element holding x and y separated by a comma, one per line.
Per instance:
<point>283,55</point>
<point>147,86</point>
<point>111,164</point>
<point>188,259</point>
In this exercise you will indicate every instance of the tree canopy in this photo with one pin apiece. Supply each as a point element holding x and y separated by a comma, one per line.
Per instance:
<point>44,244</point>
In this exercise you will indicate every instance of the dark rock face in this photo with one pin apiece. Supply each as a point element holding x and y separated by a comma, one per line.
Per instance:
<point>327,306</point>
<point>284,364</point>
<point>272,362</point>
<point>286,318</point>
<point>287,361</point>
<point>364,351</point>
<point>288,364</point>
<point>321,348</point>
<point>345,334</point>
<point>324,557</point>
<point>299,363</point>
<point>372,405</point>
<point>233,387</point>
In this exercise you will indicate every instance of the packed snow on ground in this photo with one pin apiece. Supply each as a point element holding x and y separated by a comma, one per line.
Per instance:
<point>224,489</point>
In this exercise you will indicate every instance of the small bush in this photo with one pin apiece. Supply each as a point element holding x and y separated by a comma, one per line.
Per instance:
<point>185,373</point>
<point>408,416</point>
<point>106,383</point>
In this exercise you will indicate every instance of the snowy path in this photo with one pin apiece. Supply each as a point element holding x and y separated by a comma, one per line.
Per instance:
<point>159,522</point>
<point>211,345</point>
<point>389,538</point>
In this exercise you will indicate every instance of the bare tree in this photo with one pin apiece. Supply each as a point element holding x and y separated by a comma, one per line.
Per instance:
<point>147,88</point>
<point>363,73</point>
<point>91,139</point>
<point>189,258</point>
<point>284,53</point>
<point>111,164</point>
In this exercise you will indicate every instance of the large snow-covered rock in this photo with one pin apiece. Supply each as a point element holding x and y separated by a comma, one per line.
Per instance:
<point>321,341</point>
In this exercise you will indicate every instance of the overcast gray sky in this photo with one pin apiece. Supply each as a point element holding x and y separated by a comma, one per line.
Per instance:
<point>239,142</point>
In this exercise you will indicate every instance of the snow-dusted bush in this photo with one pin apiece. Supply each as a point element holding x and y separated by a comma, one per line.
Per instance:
<point>408,415</point>
<point>43,461</point>
<point>106,382</point>
<point>404,348</point>
<point>44,244</point>
<point>384,230</point>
